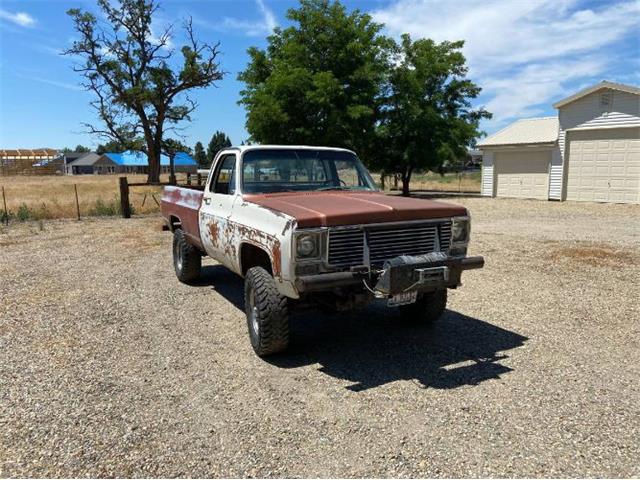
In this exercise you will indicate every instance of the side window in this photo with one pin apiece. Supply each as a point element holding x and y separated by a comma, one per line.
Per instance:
<point>224,181</point>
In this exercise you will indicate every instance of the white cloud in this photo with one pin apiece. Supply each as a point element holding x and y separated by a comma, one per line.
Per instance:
<point>523,53</point>
<point>55,83</point>
<point>19,18</point>
<point>252,28</point>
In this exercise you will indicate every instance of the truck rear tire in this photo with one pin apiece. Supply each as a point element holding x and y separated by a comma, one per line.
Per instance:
<point>267,313</point>
<point>427,309</point>
<point>187,260</point>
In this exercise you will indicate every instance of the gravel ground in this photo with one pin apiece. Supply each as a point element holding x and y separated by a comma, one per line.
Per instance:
<point>110,367</point>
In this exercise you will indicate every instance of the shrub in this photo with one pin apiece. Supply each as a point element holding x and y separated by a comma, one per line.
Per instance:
<point>103,209</point>
<point>24,213</point>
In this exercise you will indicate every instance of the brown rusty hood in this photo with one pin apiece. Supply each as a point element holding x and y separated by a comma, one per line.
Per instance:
<point>326,209</point>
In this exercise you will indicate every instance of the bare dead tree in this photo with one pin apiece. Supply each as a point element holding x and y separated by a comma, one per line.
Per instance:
<point>140,93</point>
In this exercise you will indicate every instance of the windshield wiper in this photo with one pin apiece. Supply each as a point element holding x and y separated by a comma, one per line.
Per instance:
<point>332,188</point>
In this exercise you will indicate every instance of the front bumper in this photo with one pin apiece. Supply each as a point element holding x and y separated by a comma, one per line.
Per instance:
<point>399,275</point>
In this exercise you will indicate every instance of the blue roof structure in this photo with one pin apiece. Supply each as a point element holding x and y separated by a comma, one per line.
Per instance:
<point>139,159</point>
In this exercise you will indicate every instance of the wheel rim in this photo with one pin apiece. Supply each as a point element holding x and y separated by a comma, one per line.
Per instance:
<point>177,251</point>
<point>253,314</point>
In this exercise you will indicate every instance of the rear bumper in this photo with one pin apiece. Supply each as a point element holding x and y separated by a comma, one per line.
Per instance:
<point>328,281</point>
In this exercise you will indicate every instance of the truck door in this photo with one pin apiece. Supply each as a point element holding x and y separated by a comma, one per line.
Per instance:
<point>217,205</point>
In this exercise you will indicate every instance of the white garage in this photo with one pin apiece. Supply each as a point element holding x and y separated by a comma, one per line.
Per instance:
<point>589,152</point>
<point>523,174</point>
<point>604,165</point>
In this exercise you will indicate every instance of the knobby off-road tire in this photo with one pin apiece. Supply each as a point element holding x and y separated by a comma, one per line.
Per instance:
<point>427,309</point>
<point>187,260</point>
<point>267,313</point>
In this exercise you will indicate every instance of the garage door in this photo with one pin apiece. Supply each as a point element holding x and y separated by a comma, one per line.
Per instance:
<point>604,165</point>
<point>523,174</point>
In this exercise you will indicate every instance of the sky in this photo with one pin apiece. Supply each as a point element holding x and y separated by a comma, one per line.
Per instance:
<point>525,54</point>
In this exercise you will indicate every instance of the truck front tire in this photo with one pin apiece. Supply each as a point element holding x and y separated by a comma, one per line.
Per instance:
<point>267,313</point>
<point>427,309</point>
<point>187,260</point>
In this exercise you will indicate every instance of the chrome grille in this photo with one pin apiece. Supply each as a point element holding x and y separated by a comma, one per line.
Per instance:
<point>346,245</point>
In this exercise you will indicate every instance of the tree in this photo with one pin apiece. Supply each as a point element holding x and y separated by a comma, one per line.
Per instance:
<point>117,147</point>
<point>318,82</point>
<point>428,113</point>
<point>130,70</point>
<point>170,147</point>
<point>200,155</point>
<point>219,140</point>
<point>82,149</point>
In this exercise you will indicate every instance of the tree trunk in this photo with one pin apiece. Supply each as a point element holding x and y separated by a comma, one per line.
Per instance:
<point>406,179</point>
<point>154,165</point>
<point>172,171</point>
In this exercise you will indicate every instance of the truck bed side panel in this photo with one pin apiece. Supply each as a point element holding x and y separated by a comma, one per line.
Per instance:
<point>183,204</point>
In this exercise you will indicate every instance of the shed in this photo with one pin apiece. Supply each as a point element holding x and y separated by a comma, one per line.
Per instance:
<point>589,152</point>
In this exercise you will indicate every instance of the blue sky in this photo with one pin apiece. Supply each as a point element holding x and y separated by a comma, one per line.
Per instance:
<point>525,54</point>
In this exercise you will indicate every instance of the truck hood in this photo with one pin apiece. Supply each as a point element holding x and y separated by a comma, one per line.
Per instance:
<point>326,209</point>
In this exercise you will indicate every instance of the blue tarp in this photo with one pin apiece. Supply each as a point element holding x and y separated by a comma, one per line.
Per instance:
<point>139,159</point>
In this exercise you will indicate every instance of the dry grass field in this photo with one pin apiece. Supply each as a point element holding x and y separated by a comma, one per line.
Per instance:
<point>48,197</point>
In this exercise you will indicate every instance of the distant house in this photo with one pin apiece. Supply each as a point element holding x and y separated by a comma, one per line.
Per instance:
<point>82,164</point>
<point>126,162</point>
<point>590,151</point>
<point>137,162</point>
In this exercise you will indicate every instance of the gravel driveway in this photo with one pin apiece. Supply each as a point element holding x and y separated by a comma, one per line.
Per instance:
<point>110,367</point>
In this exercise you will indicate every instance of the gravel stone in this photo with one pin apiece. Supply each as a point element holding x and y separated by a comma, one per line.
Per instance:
<point>111,367</point>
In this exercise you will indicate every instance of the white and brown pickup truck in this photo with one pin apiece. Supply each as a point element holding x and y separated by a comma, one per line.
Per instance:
<point>308,225</point>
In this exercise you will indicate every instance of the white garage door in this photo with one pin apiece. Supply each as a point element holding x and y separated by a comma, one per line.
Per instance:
<point>604,165</point>
<point>523,174</point>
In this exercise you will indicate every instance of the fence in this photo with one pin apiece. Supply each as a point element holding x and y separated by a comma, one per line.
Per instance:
<point>42,198</point>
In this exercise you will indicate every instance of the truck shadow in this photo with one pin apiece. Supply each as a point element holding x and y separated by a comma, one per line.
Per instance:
<point>374,346</point>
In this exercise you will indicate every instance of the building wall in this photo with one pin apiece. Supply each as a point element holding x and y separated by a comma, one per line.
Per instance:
<point>590,112</point>
<point>487,187</point>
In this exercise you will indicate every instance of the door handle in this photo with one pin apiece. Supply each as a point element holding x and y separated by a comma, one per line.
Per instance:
<point>207,201</point>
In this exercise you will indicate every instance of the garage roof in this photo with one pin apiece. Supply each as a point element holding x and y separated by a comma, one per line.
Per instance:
<point>524,132</point>
<point>604,84</point>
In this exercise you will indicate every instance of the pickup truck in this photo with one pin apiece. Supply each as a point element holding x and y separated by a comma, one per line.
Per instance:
<point>307,226</point>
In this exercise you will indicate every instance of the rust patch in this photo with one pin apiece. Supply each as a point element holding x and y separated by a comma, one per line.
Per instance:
<point>213,231</point>
<point>277,258</point>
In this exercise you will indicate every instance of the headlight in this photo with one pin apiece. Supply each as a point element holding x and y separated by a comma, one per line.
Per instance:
<point>308,245</point>
<point>460,230</point>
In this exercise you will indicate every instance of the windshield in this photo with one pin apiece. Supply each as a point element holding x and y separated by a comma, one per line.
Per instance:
<point>293,170</point>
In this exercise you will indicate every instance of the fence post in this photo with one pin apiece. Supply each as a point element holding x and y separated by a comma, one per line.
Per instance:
<point>75,187</point>
<point>188,178</point>
<point>125,207</point>
<point>6,212</point>
<point>199,178</point>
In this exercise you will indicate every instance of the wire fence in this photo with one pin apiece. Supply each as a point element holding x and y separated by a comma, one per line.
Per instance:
<point>27,198</point>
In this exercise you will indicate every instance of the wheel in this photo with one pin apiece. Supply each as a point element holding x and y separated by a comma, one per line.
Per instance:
<point>267,313</point>
<point>187,260</point>
<point>427,309</point>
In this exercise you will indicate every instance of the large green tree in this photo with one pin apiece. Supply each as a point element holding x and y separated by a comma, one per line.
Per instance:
<point>318,81</point>
<point>428,116</point>
<point>140,86</point>
<point>200,155</point>
<point>218,141</point>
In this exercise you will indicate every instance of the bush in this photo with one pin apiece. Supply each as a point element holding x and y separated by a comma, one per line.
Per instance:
<point>107,209</point>
<point>102,209</point>
<point>24,213</point>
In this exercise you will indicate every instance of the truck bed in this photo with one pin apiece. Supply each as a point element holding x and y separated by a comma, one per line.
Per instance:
<point>180,206</point>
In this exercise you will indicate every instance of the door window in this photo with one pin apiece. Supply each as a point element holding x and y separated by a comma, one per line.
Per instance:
<point>224,181</point>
